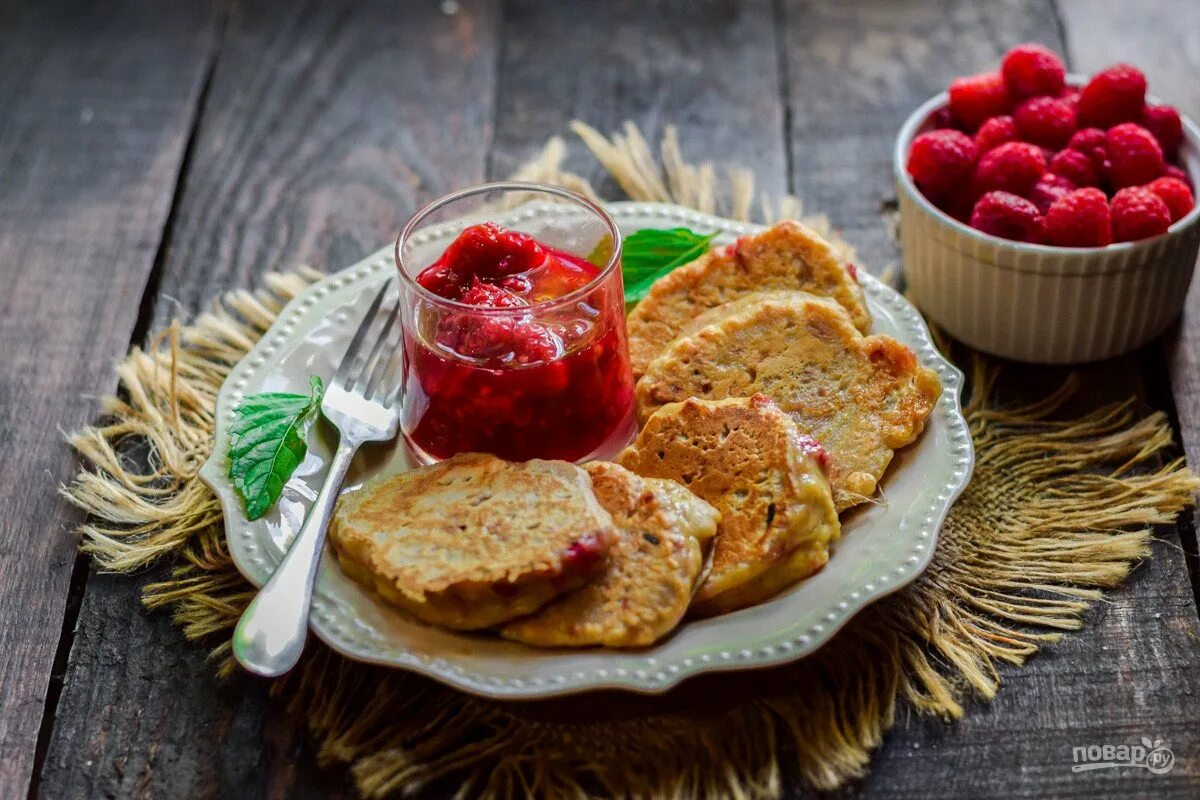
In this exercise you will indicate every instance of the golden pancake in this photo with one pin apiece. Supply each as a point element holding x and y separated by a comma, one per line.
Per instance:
<point>861,397</point>
<point>785,256</point>
<point>474,541</point>
<point>751,462</point>
<point>651,571</point>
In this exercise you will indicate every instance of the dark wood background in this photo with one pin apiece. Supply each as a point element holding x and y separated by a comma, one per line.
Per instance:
<point>155,154</point>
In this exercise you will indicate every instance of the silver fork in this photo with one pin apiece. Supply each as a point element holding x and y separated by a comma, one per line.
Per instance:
<point>360,401</point>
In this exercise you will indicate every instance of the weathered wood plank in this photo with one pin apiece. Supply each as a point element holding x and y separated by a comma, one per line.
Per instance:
<point>188,744</point>
<point>97,104</point>
<point>1130,673</point>
<point>325,125</point>
<point>855,72</point>
<point>1161,39</point>
<point>1157,37</point>
<point>711,68</point>
<point>143,715</point>
<point>149,753</point>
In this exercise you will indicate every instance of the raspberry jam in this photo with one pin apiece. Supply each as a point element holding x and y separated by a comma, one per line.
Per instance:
<point>508,370</point>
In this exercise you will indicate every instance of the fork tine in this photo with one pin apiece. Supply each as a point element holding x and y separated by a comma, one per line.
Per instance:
<point>343,370</point>
<point>390,400</point>
<point>370,367</point>
<point>384,372</point>
<point>390,378</point>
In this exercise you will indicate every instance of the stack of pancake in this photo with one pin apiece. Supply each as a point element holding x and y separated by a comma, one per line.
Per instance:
<point>547,552</point>
<point>765,411</point>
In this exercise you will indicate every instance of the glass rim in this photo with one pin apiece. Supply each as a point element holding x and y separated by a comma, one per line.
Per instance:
<point>509,186</point>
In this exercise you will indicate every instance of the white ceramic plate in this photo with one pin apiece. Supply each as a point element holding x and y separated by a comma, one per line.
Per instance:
<point>883,546</point>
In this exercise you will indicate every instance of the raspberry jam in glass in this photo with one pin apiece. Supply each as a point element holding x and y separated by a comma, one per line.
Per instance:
<point>517,347</point>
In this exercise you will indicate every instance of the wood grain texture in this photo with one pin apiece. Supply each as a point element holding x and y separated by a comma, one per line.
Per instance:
<point>143,715</point>
<point>1131,671</point>
<point>856,70</point>
<point>91,140</point>
<point>711,68</point>
<point>328,124</point>
<point>325,125</point>
<point>1161,39</point>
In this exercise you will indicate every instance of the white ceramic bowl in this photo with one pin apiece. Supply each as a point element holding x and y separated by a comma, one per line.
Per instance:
<point>1048,305</point>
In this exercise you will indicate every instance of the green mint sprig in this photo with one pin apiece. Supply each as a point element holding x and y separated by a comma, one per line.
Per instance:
<point>650,253</point>
<point>268,442</point>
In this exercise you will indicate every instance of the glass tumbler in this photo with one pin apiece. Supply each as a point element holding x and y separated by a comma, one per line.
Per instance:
<point>550,379</point>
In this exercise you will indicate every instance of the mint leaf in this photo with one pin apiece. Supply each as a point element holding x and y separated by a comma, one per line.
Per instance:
<point>267,443</point>
<point>651,253</point>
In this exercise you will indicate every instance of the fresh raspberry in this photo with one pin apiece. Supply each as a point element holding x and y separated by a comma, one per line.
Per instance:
<point>1166,126</point>
<point>1112,96</point>
<point>1175,193</point>
<point>1045,121</point>
<point>1049,188</point>
<point>975,98</point>
<point>1031,70</point>
<point>996,131</point>
<point>941,161</point>
<point>942,118</point>
<point>1012,167</point>
<point>957,204</point>
<point>1134,154</point>
<point>1078,220</point>
<point>1138,213</point>
<point>1175,172</point>
<point>1090,142</point>
<point>1075,167</point>
<point>1007,216</point>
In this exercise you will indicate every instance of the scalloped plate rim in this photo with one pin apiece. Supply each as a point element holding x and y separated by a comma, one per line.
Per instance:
<point>627,213</point>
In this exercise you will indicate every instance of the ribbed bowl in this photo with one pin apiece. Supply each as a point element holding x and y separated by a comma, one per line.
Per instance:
<point>1048,305</point>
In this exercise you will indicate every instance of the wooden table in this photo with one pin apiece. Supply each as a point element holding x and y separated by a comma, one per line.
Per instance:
<point>154,155</point>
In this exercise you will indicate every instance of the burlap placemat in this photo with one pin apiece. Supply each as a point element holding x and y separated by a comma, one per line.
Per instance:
<point>1058,510</point>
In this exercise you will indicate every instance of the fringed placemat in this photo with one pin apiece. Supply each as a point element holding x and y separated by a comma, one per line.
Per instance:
<point>1058,510</point>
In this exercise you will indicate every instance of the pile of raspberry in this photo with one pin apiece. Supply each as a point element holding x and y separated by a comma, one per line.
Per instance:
<point>1020,155</point>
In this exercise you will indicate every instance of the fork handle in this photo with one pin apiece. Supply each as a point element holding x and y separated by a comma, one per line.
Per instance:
<point>270,635</point>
